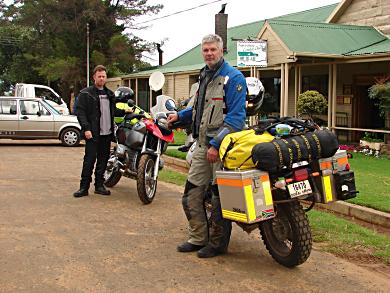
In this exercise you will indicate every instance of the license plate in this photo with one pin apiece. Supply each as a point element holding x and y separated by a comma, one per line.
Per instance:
<point>299,188</point>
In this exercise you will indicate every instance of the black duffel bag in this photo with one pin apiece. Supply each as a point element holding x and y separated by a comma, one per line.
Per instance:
<point>273,156</point>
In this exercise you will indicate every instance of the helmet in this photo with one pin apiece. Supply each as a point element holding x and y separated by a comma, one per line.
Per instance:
<point>255,95</point>
<point>123,94</point>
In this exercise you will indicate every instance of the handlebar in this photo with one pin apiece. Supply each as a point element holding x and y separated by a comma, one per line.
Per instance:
<point>132,116</point>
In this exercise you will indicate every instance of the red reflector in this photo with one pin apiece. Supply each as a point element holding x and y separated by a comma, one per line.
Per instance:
<point>347,167</point>
<point>300,175</point>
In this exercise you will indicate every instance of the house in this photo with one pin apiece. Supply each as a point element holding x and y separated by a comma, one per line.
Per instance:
<point>339,50</point>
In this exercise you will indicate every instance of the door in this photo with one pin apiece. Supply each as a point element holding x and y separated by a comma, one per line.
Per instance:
<point>9,119</point>
<point>35,121</point>
<point>366,113</point>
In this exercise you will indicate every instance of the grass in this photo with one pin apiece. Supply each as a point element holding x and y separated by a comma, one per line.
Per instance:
<point>175,153</point>
<point>180,137</point>
<point>174,177</point>
<point>345,238</point>
<point>372,177</point>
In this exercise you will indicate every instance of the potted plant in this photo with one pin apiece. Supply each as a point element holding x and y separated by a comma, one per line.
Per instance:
<point>312,103</point>
<point>381,92</point>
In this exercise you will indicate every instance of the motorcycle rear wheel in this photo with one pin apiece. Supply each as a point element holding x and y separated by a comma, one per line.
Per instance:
<point>287,237</point>
<point>112,175</point>
<point>146,186</point>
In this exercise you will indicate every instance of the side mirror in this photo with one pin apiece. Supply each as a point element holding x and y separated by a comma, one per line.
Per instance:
<point>39,113</point>
<point>131,103</point>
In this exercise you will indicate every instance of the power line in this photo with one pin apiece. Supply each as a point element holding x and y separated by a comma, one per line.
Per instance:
<point>147,57</point>
<point>178,12</point>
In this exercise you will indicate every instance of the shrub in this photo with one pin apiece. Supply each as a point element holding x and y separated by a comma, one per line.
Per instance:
<point>381,92</point>
<point>311,103</point>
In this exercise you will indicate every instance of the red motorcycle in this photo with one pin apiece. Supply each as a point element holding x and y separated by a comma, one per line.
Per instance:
<point>141,139</point>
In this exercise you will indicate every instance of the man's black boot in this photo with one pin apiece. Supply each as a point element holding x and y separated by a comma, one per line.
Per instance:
<point>102,190</point>
<point>209,251</point>
<point>188,247</point>
<point>81,192</point>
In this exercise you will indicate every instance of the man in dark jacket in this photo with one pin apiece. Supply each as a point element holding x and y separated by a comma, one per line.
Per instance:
<point>95,113</point>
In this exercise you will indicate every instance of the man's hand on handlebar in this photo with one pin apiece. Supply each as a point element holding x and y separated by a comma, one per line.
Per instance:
<point>171,119</point>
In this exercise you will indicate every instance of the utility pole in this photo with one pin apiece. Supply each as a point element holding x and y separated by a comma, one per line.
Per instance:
<point>87,54</point>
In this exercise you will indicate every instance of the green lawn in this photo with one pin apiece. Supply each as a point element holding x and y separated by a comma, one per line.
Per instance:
<point>175,153</point>
<point>372,176</point>
<point>174,177</point>
<point>348,239</point>
<point>180,137</point>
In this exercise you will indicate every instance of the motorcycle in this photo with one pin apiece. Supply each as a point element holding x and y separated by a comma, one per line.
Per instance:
<point>140,140</point>
<point>270,200</point>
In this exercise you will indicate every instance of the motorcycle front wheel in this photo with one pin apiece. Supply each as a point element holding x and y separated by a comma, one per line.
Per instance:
<point>146,186</point>
<point>287,237</point>
<point>112,175</point>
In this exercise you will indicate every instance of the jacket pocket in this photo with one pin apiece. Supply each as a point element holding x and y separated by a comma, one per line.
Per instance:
<point>216,114</point>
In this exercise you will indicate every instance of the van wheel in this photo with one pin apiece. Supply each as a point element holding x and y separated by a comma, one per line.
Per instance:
<point>70,137</point>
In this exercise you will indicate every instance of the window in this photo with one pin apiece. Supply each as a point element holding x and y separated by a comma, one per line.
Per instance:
<point>315,82</point>
<point>43,110</point>
<point>47,94</point>
<point>8,107</point>
<point>31,108</point>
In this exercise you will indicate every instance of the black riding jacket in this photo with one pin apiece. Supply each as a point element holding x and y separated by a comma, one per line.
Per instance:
<point>88,110</point>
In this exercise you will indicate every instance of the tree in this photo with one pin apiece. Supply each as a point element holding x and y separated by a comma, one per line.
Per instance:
<point>54,49</point>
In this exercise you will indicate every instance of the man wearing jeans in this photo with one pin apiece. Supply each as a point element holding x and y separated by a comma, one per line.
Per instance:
<point>95,112</point>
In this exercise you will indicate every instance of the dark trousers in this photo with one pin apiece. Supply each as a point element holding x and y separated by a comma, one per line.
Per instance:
<point>95,150</point>
<point>218,234</point>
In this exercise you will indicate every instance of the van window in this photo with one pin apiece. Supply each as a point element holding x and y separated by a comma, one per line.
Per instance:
<point>47,94</point>
<point>8,107</point>
<point>32,108</point>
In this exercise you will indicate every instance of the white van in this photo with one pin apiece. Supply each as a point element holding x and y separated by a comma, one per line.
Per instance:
<point>41,91</point>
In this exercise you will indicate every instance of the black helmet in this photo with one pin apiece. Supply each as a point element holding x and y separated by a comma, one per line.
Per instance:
<point>123,94</point>
<point>255,95</point>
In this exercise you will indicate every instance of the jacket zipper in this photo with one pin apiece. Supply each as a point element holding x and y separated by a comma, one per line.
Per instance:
<point>211,115</point>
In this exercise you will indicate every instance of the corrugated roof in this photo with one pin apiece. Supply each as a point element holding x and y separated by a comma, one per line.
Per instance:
<point>381,47</point>
<point>319,14</point>
<point>325,38</point>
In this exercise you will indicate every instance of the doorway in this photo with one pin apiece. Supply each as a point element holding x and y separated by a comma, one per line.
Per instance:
<point>365,112</point>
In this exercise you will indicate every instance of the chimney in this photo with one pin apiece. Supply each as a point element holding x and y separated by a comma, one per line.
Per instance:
<point>221,26</point>
<point>160,55</point>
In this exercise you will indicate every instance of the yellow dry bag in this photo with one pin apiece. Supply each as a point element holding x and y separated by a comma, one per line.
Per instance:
<point>236,148</point>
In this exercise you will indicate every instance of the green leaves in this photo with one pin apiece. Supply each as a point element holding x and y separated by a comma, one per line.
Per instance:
<point>311,103</point>
<point>381,92</point>
<point>45,41</point>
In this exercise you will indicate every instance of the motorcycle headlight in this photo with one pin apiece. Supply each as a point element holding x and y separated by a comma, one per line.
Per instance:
<point>163,123</point>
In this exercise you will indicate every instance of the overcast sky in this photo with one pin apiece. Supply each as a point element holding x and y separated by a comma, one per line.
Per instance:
<point>185,30</point>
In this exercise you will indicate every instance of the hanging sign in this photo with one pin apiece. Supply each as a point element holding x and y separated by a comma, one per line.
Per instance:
<point>252,53</point>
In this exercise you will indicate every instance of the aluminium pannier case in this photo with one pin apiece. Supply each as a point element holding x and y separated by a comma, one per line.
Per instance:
<point>245,195</point>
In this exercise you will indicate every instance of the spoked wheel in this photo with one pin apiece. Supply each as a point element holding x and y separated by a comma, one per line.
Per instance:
<point>112,175</point>
<point>146,186</point>
<point>287,237</point>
